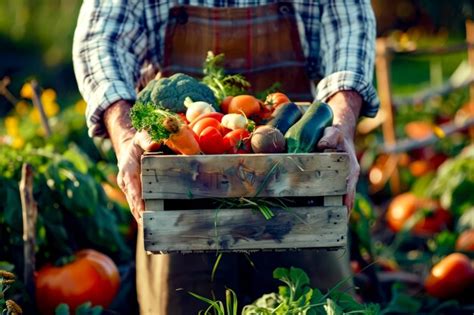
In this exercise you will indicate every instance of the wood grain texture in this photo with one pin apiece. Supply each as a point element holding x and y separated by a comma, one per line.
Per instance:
<point>29,212</point>
<point>244,230</point>
<point>244,175</point>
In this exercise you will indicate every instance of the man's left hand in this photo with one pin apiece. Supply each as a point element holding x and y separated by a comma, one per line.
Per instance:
<point>340,136</point>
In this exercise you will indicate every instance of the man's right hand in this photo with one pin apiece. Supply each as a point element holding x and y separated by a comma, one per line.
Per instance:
<point>129,146</point>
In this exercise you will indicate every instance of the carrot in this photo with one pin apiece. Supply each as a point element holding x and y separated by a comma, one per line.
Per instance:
<point>182,139</point>
<point>165,127</point>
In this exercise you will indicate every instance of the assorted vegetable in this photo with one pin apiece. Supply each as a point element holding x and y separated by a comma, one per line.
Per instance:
<point>170,93</point>
<point>285,116</point>
<point>303,136</point>
<point>180,112</point>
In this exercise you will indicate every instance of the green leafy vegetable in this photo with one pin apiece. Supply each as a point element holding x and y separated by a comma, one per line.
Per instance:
<point>170,93</point>
<point>152,119</point>
<point>218,81</point>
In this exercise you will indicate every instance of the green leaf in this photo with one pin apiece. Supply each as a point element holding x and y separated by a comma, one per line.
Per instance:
<point>332,308</point>
<point>78,158</point>
<point>88,309</point>
<point>402,302</point>
<point>466,221</point>
<point>421,186</point>
<point>346,301</point>
<point>62,309</point>
<point>443,243</point>
<point>5,265</point>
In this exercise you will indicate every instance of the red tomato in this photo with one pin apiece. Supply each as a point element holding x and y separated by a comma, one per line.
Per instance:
<point>211,141</point>
<point>214,115</point>
<point>92,277</point>
<point>225,104</point>
<point>204,123</point>
<point>276,99</point>
<point>450,277</point>
<point>238,141</point>
<point>404,206</point>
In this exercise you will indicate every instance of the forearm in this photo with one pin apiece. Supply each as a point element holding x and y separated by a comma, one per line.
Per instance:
<point>346,106</point>
<point>348,31</point>
<point>118,124</point>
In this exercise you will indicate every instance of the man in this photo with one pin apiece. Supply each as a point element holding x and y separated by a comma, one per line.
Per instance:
<point>295,43</point>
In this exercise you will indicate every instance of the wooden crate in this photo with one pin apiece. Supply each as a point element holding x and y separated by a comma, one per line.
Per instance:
<point>182,194</point>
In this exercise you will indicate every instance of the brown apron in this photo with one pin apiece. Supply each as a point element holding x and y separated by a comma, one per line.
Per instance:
<point>263,44</point>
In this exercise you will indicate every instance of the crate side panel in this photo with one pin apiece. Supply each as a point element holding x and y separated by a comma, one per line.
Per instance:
<point>268,175</point>
<point>242,229</point>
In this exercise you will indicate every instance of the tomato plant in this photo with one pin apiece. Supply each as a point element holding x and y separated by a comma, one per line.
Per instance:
<point>238,141</point>
<point>211,141</point>
<point>450,277</point>
<point>404,207</point>
<point>91,276</point>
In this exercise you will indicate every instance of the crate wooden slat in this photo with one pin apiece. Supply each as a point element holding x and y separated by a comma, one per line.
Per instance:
<point>296,175</point>
<point>168,179</point>
<point>187,231</point>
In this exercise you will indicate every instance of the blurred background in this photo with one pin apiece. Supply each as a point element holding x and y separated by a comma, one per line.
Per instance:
<point>414,207</point>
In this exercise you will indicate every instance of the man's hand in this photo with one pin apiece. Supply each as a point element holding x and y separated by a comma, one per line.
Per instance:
<point>340,136</point>
<point>129,147</point>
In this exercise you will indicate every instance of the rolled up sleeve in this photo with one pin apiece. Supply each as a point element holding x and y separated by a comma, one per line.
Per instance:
<point>108,50</point>
<point>348,33</point>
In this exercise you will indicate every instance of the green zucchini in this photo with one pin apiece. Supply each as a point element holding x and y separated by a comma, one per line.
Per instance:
<point>303,136</point>
<point>285,116</point>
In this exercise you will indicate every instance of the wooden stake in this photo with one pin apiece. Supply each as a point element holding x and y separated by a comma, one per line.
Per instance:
<point>382,67</point>
<point>39,106</point>
<point>29,214</point>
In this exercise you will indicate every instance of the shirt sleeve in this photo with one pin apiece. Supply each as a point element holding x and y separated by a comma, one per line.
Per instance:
<point>348,33</point>
<point>108,49</point>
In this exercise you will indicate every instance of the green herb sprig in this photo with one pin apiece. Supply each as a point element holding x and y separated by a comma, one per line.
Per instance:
<point>156,121</point>
<point>218,81</point>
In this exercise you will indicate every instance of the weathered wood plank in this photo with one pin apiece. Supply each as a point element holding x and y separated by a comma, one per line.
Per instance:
<point>29,212</point>
<point>154,204</point>
<point>244,230</point>
<point>244,175</point>
<point>333,200</point>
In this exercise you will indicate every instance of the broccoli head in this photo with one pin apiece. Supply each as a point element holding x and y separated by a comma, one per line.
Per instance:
<point>170,93</point>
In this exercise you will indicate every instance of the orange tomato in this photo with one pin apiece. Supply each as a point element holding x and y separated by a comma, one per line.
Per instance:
<point>404,206</point>
<point>276,99</point>
<point>225,104</point>
<point>450,277</point>
<point>465,241</point>
<point>246,104</point>
<point>92,276</point>
<point>418,129</point>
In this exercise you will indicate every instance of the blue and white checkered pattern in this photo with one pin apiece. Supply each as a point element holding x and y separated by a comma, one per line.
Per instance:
<point>113,39</point>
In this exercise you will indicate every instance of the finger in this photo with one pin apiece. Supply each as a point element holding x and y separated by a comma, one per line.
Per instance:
<point>130,183</point>
<point>144,141</point>
<point>351,185</point>
<point>331,139</point>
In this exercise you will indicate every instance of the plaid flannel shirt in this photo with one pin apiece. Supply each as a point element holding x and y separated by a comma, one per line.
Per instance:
<point>114,38</point>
